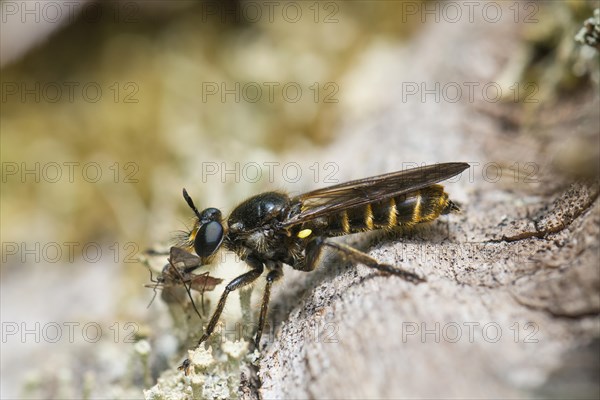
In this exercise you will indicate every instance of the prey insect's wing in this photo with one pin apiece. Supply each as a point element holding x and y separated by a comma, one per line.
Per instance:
<point>183,263</point>
<point>178,272</point>
<point>333,199</point>
<point>204,283</point>
<point>182,260</point>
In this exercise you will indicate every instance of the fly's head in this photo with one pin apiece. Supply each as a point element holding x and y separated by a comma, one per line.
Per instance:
<point>206,237</point>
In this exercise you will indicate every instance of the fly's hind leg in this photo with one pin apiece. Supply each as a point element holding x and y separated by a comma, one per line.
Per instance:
<point>315,248</point>
<point>239,282</point>
<point>275,273</point>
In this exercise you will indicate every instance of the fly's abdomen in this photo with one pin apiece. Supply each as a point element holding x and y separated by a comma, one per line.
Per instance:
<point>412,208</point>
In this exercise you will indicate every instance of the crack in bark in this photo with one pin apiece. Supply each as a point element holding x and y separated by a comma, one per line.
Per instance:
<point>552,313</point>
<point>543,233</point>
<point>250,383</point>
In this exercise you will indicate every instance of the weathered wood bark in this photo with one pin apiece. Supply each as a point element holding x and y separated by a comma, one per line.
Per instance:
<point>510,307</point>
<point>511,303</point>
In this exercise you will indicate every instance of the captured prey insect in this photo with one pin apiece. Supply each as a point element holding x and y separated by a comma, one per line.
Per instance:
<point>179,272</point>
<point>272,229</point>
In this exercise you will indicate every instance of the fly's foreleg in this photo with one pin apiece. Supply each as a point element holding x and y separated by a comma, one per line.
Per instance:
<point>237,283</point>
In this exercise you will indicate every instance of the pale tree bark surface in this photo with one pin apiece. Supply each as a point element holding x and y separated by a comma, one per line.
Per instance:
<point>510,306</point>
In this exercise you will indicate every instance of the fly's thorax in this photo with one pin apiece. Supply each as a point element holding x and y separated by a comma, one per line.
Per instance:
<point>252,224</point>
<point>258,211</point>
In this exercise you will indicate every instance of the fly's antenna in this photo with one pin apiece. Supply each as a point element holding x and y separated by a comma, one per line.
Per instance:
<point>190,203</point>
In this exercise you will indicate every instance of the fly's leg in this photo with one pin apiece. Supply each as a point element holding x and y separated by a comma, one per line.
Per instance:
<point>315,248</point>
<point>272,276</point>
<point>239,282</point>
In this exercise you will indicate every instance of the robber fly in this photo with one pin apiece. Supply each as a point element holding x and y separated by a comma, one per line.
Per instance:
<point>272,228</point>
<point>179,272</point>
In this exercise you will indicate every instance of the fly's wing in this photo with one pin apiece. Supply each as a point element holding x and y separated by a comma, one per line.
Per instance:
<point>333,199</point>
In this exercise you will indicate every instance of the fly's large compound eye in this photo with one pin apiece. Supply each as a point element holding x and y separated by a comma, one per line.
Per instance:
<point>208,239</point>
